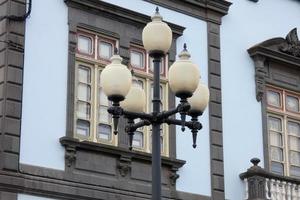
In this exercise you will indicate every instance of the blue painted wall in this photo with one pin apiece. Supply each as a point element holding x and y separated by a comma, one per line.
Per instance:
<point>45,89</point>
<point>247,24</point>
<point>45,85</point>
<point>29,197</point>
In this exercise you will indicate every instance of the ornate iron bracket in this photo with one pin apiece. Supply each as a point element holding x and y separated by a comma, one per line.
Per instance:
<point>162,117</point>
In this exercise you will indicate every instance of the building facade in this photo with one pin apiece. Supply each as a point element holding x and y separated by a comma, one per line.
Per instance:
<point>56,138</point>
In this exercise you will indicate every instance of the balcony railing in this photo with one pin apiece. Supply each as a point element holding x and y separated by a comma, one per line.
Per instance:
<point>262,185</point>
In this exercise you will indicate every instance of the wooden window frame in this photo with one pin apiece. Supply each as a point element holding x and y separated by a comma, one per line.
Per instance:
<point>106,40</point>
<point>286,116</point>
<point>93,39</point>
<point>143,52</point>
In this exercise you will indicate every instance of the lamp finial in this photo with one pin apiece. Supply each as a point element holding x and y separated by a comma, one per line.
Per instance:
<point>116,51</point>
<point>184,47</point>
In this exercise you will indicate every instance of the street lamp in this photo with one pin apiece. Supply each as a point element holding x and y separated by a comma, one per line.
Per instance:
<point>129,101</point>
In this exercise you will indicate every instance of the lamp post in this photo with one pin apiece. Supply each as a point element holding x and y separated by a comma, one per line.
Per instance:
<point>129,101</point>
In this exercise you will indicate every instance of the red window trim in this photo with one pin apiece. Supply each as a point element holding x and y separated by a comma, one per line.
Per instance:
<point>143,52</point>
<point>92,37</point>
<point>106,40</point>
<point>280,96</point>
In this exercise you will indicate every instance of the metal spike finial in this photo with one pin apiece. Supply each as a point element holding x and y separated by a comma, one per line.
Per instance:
<point>184,47</point>
<point>132,72</point>
<point>116,51</point>
<point>157,9</point>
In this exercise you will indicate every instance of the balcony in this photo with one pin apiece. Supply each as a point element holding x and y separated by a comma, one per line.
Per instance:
<point>262,185</point>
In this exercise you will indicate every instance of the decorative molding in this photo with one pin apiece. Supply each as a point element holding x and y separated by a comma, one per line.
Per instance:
<point>56,184</point>
<point>120,14</point>
<point>292,45</point>
<point>124,165</point>
<point>260,75</point>
<point>201,9</point>
<point>70,155</point>
<point>279,50</point>
<point>174,176</point>
<point>122,153</point>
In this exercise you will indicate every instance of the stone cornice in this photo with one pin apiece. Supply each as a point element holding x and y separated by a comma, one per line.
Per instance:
<point>285,50</point>
<point>119,13</point>
<point>117,151</point>
<point>197,8</point>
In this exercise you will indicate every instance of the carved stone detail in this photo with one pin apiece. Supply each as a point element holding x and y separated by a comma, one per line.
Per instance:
<point>70,156</point>
<point>256,186</point>
<point>173,175</point>
<point>124,166</point>
<point>260,74</point>
<point>292,45</point>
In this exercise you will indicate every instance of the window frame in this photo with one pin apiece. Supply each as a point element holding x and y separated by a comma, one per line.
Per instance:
<point>286,116</point>
<point>88,35</point>
<point>143,52</point>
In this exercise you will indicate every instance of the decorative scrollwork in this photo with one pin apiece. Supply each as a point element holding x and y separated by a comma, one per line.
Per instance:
<point>70,156</point>
<point>173,176</point>
<point>124,166</point>
<point>292,45</point>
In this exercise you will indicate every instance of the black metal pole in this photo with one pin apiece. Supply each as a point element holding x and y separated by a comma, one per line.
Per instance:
<point>156,157</point>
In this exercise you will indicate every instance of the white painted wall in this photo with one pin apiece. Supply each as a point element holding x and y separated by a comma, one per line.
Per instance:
<point>247,24</point>
<point>195,175</point>
<point>28,197</point>
<point>45,85</point>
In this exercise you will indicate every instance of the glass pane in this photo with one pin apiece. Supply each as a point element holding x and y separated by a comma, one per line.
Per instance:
<point>293,128</point>
<point>276,154</point>
<point>138,83</point>
<point>104,116</point>
<point>295,171</point>
<point>292,104</point>
<point>274,124</point>
<point>161,144</point>
<point>273,98</point>
<point>83,128</point>
<point>137,59</point>
<point>83,110</point>
<point>84,75</point>
<point>161,66</point>
<point>295,158</point>
<point>138,139</point>
<point>161,92</point>
<point>277,168</point>
<point>105,50</point>
<point>275,139</point>
<point>294,143</point>
<point>104,132</point>
<point>103,98</point>
<point>84,44</point>
<point>84,92</point>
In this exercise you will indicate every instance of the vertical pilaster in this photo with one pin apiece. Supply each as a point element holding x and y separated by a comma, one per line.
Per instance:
<point>215,110</point>
<point>11,81</point>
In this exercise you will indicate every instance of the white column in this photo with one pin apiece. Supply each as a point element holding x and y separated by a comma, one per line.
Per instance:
<point>289,192</point>
<point>246,189</point>
<point>273,189</point>
<point>283,190</point>
<point>267,189</point>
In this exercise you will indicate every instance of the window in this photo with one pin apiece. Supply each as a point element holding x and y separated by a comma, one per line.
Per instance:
<point>140,62</point>
<point>283,120</point>
<point>92,121</point>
